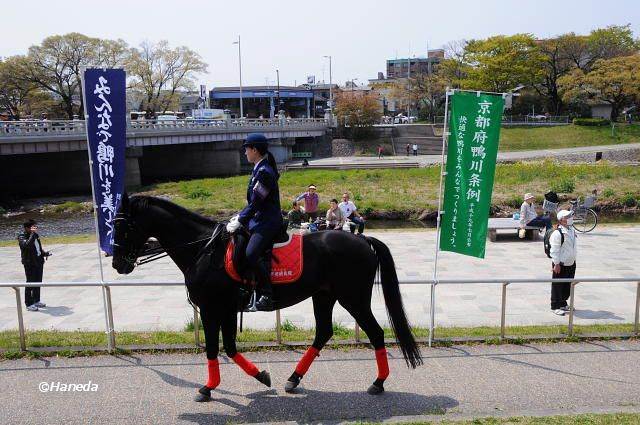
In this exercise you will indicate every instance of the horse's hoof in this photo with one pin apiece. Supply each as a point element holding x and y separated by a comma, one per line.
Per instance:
<point>375,389</point>
<point>292,383</point>
<point>264,377</point>
<point>204,395</point>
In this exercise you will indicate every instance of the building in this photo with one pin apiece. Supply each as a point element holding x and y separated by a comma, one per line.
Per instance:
<point>321,96</point>
<point>403,68</point>
<point>263,101</point>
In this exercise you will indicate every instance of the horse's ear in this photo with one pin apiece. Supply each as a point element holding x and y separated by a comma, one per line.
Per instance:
<point>124,205</point>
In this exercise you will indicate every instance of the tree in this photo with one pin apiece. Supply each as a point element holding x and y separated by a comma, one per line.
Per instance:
<point>56,65</point>
<point>614,81</point>
<point>13,91</point>
<point>159,72</point>
<point>358,111</point>
<point>501,63</point>
<point>422,89</point>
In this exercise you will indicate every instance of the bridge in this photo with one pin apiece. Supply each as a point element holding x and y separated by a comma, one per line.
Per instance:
<point>156,150</point>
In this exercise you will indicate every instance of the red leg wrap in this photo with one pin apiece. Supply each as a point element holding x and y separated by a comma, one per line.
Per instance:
<point>306,360</point>
<point>383,364</point>
<point>246,365</point>
<point>214,373</point>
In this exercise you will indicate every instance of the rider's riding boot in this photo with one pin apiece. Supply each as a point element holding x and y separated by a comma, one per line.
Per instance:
<point>263,277</point>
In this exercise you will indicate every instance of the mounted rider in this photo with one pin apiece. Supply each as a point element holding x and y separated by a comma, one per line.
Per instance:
<point>262,216</point>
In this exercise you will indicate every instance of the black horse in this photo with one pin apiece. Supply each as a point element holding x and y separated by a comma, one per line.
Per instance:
<point>338,266</point>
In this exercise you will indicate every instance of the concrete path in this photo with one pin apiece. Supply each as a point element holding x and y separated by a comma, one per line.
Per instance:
<point>453,383</point>
<point>609,251</point>
<point>426,160</point>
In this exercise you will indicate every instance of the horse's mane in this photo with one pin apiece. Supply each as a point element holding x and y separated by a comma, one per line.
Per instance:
<point>139,203</point>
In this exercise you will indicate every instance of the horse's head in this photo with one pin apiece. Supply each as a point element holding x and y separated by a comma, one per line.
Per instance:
<point>129,239</point>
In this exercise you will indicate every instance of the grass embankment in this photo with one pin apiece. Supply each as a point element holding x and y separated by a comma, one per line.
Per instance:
<point>9,340</point>
<point>566,136</point>
<point>586,419</point>
<point>50,240</point>
<point>407,192</point>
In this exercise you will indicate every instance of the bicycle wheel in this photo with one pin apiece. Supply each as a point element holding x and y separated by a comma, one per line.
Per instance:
<point>586,221</point>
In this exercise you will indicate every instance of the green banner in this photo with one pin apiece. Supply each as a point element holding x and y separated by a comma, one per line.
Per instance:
<point>474,127</point>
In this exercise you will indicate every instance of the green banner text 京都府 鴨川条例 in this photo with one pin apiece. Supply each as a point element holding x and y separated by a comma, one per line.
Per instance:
<point>474,127</point>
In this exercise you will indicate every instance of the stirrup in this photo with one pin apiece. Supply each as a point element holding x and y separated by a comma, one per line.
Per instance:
<point>251,307</point>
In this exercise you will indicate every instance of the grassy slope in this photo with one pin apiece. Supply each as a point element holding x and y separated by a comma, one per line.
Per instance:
<point>586,419</point>
<point>532,138</point>
<point>406,189</point>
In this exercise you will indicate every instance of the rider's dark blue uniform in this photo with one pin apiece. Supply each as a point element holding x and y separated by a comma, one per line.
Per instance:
<point>262,216</point>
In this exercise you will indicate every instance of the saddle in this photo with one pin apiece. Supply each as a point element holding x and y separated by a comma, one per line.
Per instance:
<point>286,258</point>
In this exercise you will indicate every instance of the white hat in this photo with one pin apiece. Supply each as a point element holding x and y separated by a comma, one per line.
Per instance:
<point>312,186</point>
<point>528,196</point>
<point>564,214</point>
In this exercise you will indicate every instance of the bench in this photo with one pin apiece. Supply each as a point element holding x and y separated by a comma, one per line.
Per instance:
<point>496,224</point>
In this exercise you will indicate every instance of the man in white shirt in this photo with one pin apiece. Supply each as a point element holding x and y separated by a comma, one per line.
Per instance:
<point>529,216</point>
<point>563,253</point>
<point>350,212</point>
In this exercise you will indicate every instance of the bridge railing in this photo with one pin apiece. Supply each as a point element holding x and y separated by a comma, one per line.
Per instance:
<point>504,283</point>
<point>65,127</point>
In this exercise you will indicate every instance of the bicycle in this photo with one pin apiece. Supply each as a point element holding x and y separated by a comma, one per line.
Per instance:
<point>585,218</point>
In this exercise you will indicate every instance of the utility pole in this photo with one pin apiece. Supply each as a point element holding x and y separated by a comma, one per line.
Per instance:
<point>330,85</point>
<point>240,67</point>
<point>278,82</point>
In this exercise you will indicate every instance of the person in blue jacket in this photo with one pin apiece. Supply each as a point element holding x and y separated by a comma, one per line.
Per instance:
<point>262,216</point>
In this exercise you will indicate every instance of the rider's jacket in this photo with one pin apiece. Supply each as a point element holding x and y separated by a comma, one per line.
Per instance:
<point>263,199</point>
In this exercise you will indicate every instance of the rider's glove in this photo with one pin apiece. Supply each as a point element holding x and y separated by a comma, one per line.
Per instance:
<point>234,224</point>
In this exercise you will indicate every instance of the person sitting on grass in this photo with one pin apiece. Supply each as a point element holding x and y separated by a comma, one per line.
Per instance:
<point>335,218</point>
<point>296,216</point>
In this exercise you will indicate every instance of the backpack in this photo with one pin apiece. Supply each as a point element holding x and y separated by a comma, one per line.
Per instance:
<point>547,240</point>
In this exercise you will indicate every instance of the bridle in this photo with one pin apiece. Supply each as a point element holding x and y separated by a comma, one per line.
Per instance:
<point>145,255</point>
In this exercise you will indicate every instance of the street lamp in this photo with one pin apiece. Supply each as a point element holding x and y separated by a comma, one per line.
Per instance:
<point>240,67</point>
<point>330,85</point>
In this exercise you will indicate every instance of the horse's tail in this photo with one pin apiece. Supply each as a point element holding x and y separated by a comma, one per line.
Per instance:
<point>393,301</point>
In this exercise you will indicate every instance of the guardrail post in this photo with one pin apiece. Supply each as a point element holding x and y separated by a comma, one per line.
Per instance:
<point>196,327</point>
<point>23,343</point>
<point>504,308</point>
<point>573,286</point>
<point>111,337</point>
<point>278,328</point>
<point>637,319</point>
<point>357,332</point>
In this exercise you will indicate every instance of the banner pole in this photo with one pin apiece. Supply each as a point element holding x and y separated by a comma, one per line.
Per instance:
<point>95,213</point>
<point>437,245</point>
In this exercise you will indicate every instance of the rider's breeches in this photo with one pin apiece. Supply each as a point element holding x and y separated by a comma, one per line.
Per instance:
<point>261,240</point>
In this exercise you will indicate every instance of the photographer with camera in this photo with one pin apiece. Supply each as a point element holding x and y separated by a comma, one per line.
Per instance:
<point>33,257</point>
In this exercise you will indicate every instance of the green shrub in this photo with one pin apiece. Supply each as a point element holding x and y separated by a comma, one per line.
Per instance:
<point>2,211</point>
<point>197,193</point>
<point>339,329</point>
<point>564,185</point>
<point>591,122</point>
<point>287,326</point>
<point>629,200</point>
<point>608,193</point>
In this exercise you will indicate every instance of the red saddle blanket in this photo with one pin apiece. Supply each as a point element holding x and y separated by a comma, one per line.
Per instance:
<point>286,261</point>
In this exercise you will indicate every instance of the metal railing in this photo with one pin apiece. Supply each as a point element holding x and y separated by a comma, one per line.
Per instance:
<point>505,283</point>
<point>69,127</point>
<point>532,120</point>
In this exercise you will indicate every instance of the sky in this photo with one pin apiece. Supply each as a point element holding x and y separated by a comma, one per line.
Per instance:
<point>293,36</point>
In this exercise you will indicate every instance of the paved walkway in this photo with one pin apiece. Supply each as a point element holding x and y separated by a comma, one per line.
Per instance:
<point>425,160</point>
<point>609,251</point>
<point>455,382</point>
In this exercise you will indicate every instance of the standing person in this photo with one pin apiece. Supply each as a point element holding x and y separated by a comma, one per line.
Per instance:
<point>262,216</point>
<point>379,152</point>
<point>563,253</point>
<point>408,149</point>
<point>311,201</point>
<point>33,257</point>
<point>529,216</point>
<point>335,218</point>
<point>350,212</point>
<point>415,149</point>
